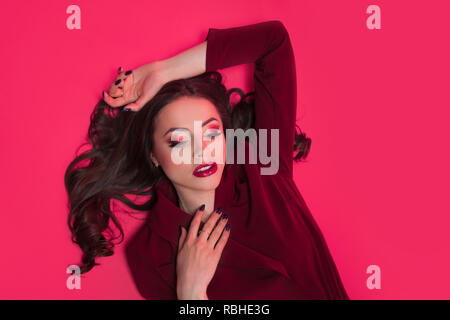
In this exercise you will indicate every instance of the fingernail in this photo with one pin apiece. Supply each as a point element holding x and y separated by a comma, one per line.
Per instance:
<point>224,217</point>
<point>219,210</point>
<point>227,227</point>
<point>128,72</point>
<point>202,207</point>
<point>126,109</point>
<point>117,82</point>
<point>120,69</point>
<point>179,230</point>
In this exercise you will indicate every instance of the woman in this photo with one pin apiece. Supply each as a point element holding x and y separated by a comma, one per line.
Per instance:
<point>274,248</point>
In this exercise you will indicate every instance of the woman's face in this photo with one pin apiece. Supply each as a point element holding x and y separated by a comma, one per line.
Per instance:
<point>174,136</point>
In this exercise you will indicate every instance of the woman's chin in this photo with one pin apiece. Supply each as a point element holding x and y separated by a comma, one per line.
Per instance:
<point>200,182</point>
<point>209,182</point>
<point>206,183</point>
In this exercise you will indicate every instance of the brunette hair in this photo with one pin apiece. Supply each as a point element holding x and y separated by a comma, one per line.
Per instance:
<point>118,160</point>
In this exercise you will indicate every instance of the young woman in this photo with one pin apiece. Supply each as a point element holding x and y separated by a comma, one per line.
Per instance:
<point>244,235</point>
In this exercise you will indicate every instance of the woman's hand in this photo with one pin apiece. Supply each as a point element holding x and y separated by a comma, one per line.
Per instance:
<point>135,88</point>
<point>198,255</point>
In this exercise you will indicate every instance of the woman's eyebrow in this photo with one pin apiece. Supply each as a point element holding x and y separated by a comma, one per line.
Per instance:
<point>204,124</point>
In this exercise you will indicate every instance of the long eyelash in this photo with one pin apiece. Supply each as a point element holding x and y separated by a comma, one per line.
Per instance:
<point>175,143</point>
<point>215,134</point>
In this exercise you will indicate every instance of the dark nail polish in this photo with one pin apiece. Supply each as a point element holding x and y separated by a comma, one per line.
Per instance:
<point>219,210</point>
<point>227,227</point>
<point>225,217</point>
<point>117,82</point>
<point>126,109</point>
<point>128,72</point>
<point>120,68</point>
<point>202,207</point>
<point>179,231</point>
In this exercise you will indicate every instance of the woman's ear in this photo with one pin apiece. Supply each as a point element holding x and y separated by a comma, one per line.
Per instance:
<point>155,162</point>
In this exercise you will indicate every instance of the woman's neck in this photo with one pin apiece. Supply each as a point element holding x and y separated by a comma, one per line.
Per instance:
<point>190,200</point>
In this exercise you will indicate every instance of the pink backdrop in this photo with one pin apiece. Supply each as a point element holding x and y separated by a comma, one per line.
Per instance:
<point>374,102</point>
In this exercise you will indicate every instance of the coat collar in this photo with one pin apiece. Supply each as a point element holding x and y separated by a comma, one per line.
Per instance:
<point>166,217</point>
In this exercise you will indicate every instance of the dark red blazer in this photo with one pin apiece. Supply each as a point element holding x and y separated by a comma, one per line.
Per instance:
<point>275,250</point>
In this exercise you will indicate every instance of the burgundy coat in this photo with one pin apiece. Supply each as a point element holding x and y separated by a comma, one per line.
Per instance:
<point>275,249</point>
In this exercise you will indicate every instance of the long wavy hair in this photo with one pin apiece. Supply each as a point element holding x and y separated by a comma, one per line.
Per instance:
<point>118,160</point>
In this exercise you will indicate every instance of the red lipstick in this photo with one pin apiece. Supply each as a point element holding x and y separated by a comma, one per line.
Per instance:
<point>205,170</point>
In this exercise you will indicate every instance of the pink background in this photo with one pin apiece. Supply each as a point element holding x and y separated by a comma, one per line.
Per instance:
<point>374,102</point>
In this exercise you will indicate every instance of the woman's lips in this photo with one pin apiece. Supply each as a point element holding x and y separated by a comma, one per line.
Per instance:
<point>206,170</point>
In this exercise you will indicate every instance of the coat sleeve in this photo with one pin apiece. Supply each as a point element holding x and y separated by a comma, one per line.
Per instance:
<point>268,46</point>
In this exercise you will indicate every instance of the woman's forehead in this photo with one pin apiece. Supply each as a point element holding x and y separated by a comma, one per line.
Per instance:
<point>184,111</point>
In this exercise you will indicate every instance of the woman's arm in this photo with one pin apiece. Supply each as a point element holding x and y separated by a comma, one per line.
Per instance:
<point>267,44</point>
<point>136,88</point>
<point>189,63</point>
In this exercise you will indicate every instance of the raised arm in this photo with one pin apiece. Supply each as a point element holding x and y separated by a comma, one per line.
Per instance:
<point>267,45</point>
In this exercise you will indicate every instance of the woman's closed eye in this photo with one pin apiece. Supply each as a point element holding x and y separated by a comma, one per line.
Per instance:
<point>213,135</point>
<point>182,141</point>
<point>177,143</point>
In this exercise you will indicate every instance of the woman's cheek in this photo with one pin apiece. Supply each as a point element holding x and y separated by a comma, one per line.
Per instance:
<point>174,169</point>
<point>169,163</point>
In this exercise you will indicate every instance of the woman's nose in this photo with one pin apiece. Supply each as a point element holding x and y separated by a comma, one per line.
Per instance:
<point>199,146</point>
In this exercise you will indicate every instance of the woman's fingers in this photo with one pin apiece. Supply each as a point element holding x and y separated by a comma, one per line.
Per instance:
<point>182,237</point>
<point>127,82</point>
<point>148,87</point>
<point>120,95</point>
<point>117,86</point>
<point>209,225</point>
<point>214,231</point>
<point>114,102</point>
<point>222,241</point>
<point>120,90</point>
<point>195,224</point>
<point>215,235</point>
<point>139,103</point>
<point>129,93</point>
